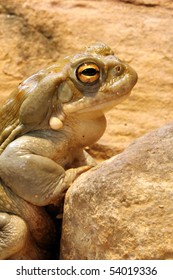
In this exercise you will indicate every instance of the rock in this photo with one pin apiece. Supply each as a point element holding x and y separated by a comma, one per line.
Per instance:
<point>36,33</point>
<point>123,208</point>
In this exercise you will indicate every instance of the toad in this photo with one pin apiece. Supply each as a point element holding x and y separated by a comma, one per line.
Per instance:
<point>45,125</point>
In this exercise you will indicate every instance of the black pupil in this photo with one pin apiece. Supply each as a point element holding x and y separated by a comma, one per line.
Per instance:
<point>89,72</point>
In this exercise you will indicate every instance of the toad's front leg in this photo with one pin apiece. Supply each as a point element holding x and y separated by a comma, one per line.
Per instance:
<point>27,168</point>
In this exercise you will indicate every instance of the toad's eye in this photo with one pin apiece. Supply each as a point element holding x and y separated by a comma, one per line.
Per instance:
<point>88,73</point>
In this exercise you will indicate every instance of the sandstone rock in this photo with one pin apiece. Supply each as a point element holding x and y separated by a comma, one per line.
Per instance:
<point>35,33</point>
<point>123,208</point>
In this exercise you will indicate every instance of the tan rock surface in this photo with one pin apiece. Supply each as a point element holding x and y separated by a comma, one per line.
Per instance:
<point>123,208</point>
<point>34,33</point>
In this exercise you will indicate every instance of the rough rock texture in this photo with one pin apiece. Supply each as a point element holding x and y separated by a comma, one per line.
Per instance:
<point>123,208</point>
<point>35,33</point>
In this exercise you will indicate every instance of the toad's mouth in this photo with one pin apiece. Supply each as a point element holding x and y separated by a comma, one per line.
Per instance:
<point>110,94</point>
<point>91,104</point>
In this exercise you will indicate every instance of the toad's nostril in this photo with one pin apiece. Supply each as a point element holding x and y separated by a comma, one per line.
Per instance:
<point>117,68</point>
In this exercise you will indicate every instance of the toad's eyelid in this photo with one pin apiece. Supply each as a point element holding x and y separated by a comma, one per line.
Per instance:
<point>83,60</point>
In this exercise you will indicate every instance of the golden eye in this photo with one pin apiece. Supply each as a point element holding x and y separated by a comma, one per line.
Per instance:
<point>88,73</point>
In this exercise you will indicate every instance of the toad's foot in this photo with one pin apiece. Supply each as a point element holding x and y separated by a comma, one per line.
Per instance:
<point>13,235</point>
<point>16,242</point>
<point>71,175</point>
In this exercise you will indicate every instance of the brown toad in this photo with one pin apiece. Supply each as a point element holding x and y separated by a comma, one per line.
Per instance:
<point>45,126</point>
